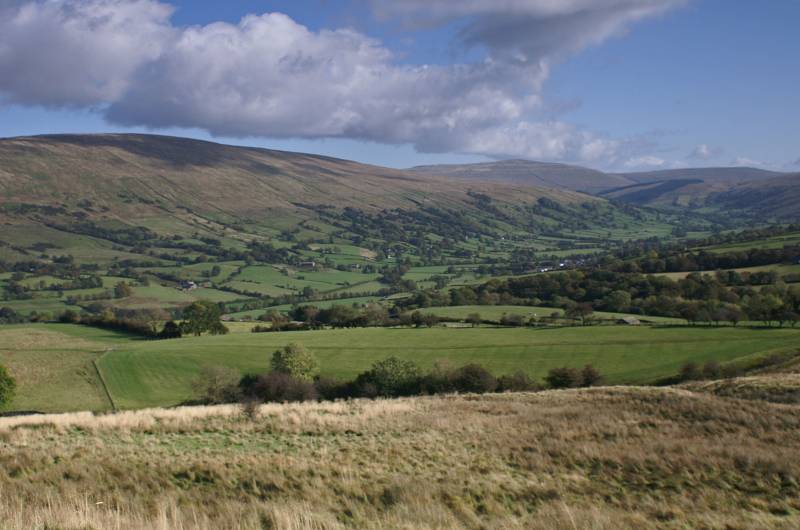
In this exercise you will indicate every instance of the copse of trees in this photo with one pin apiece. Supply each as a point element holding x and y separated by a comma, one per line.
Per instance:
<point>201,317</point>
<point>697,298</point>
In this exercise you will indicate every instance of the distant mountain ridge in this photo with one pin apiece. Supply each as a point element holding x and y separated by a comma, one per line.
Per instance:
<point>530,173</point>
<point>745,188</point>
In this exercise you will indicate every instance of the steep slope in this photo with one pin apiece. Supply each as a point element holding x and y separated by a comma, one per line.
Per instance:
<point>776,197</point>
<point>531,173</point>
<point>135,172</point>
<point>115,196</point>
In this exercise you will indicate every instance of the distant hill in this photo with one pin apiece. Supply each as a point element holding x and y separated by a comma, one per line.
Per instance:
<point>706,174</point>
<point>126,192</point>
<point>125,169</point>
<point>530,173</point>
<point>126,173</point>
<point>746,188</point>
<point>776,197</point>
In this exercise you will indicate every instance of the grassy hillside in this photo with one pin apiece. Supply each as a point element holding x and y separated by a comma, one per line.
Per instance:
<point>530,173</point>
<point>605,459</point>
<point>266,227</point>
<point>55,360</point>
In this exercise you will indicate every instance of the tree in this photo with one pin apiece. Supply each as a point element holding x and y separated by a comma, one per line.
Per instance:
<point>202,316</point>
<point>122,290</point>
<point>474,319</point>
<point>217,384</point>
<point>8,386</point>
<point>296,361</point>
<point>171,330</point>
<point>390,377</point>
<point>580,311</point>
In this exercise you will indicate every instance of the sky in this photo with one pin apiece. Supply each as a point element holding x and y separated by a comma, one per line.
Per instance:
<point>618,85</point>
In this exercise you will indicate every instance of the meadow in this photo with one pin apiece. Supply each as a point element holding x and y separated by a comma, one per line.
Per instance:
<point>600,459</point>
<point>142,373</point>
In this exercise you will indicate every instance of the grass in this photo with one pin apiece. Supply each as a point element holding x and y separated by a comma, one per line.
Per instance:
<point>601,459</point>
<point>779,269</point>
<point>159,373</point>
<point>495,312</point>
<point>53,366</point>
<point>322,304</point>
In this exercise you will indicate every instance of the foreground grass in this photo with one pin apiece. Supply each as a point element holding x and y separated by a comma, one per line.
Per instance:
<point>609,458</point>
<point>159,373</point>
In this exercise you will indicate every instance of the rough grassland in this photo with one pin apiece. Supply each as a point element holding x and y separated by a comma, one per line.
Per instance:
<point>603,459</point>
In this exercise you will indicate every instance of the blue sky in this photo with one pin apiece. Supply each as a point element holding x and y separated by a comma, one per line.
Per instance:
<point>609,84</point>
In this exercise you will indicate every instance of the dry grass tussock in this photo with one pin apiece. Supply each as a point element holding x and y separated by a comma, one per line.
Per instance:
<point>777,388</point>
<point>607,458</point>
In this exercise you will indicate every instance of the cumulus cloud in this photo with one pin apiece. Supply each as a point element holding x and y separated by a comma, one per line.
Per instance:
<point>269,76</point>
<point>77,53</point>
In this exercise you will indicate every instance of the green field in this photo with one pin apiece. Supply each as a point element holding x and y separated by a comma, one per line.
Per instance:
<point>53,362</point>
<point>149,373</point>
<point>495,312</point>
<point>53,365</point>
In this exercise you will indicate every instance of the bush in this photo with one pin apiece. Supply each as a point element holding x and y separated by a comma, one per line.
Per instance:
<point>564,377</point>
<point>712,370</point>
<point>390,377</point>
<point>473,378</point>
<point>590,376</point>
<point>7,386</point>
<point>331,389</point>
<point>516,382</point>
<point>217,384</point>
<point>280,387</point>
<point>690,372</point>
<point>171,330</point>
<point>295,360</point>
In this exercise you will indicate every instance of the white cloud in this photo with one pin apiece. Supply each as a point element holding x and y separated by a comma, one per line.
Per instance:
<point>77,53</point>
<point>704,152</point>
<point>269,76</point>
<point>647,161</point>
<point>744,161</point>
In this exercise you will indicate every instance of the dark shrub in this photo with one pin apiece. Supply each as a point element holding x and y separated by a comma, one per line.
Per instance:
<point>69,317</point>
<point>473,378</point>
<point>564,377</point>
<point>590,376</point>
<point>690,372</point>
<point>171,330</point>
<point>516,382</point>
<point>712,370</point>
<point>331,389</point>
<point>280,387</point>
